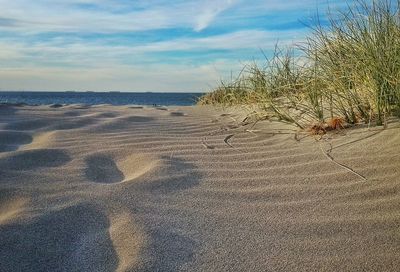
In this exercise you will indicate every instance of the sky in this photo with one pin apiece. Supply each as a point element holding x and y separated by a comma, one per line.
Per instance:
<point>136,45</point>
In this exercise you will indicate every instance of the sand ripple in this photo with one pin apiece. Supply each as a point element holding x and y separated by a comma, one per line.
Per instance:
<point>123,189</point>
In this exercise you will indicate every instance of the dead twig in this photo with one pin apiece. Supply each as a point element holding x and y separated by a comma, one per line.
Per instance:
<point>227,139</point>
<point>203,141</point>
<point>329,156</point>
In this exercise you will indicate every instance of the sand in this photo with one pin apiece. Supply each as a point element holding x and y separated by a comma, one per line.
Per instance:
<point>133,188</point>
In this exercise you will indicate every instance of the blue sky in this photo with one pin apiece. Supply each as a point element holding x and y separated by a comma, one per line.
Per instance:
<point>128,45</point>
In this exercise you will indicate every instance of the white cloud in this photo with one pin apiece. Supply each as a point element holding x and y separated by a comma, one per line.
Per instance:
<point>180,78</point>
<point>82,53</point>
<point>209,11</point>
<point>231,41</point>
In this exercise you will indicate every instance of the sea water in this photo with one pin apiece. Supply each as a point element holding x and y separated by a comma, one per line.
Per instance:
<point>96,98</point>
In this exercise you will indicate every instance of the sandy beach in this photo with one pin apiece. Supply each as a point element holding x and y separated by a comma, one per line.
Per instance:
<point>130,188</point>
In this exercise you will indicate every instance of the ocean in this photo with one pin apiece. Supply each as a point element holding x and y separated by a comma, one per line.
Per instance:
<point>96,98</point>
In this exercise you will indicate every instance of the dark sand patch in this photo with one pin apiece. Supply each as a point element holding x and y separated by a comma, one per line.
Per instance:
<point>6,109</point>
<point>29,124</point>
<point>32,159</point>
<point>11,140</point>
<point>123,123</point>
<point>74,124</point>
<point>168,250</point>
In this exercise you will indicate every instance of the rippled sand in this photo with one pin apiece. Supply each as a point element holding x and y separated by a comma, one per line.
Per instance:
<point>191,189</point>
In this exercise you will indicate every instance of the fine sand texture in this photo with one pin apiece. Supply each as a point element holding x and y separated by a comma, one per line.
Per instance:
<point>129,188</point>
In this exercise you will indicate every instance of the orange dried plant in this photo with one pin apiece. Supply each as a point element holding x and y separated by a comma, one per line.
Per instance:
<point>335,123</point>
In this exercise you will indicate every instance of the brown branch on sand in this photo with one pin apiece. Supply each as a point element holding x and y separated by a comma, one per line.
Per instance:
<point>329,156</point>
<point>253,131</point>
<point>203,142</point>
<point>227,139</point>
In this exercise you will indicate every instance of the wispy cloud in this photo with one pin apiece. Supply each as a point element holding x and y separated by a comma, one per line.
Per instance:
<point>209,11</point>
<point>108,16</point>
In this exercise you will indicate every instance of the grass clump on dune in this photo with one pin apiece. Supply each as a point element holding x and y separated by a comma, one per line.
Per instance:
<point>348,70</point>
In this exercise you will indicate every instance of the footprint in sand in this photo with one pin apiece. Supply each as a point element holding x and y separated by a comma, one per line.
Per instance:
<point>177,175</point>
<point>56,106</point>
<point>29,124</point>
<point>139,168</point>
<point>12,140</point>
<point>139,119</point>
<point>32,159</point>
<point>72,113</point>
<point>104,168</point>
<point>178,113</point>
<point>74,123</point>
<point>76,237</point>
<point>107,115</point>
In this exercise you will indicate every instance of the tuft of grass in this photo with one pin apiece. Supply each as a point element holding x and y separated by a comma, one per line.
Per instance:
<point>346,72</point>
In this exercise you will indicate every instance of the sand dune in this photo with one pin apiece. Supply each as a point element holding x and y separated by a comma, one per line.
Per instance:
<point>191,189</point>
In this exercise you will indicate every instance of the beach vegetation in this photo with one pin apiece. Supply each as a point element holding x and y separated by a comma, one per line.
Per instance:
<point>346,72</point>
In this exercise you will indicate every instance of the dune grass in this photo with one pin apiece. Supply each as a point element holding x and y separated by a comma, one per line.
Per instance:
<point>348,70</point>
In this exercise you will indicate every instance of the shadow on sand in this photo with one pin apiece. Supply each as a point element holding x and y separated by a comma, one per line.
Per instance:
<point>74,239</point>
